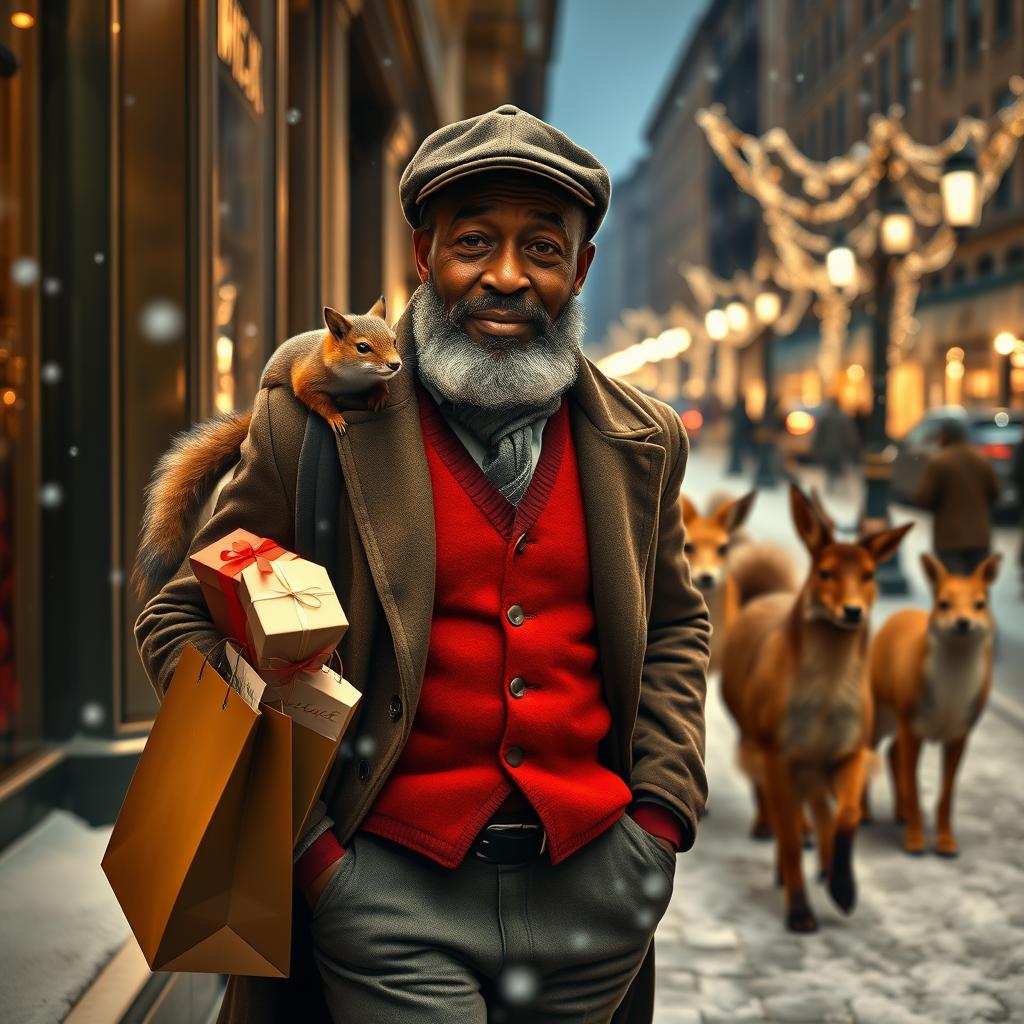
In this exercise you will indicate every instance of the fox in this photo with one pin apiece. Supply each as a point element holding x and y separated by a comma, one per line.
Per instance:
<point>931,674</point>
<point>727,568</point>
<point>356,354</point>
<point>795,680</point>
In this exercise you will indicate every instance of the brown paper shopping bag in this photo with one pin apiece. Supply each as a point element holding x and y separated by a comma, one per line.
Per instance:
<point>200,855</point>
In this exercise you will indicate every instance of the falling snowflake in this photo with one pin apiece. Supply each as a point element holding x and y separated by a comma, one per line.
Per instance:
<point>129,100</point>
<point>50,373</point>
<point>51,286</point>
<point>73,451</point>
<point>98,257</point>
<point>51,495</point>
<point>655,885</point>
<point>869,57</point>
<point>24,271</point>
<point>251,330</point>
<point>645,918</point>
<point>579,940</point>
<point>773,75</point>
<point>293,115</point>
<point>116,577</point>
<point>323,525</point>
<point>519,984</point>
<point>161,320</point>
<point>366,746</point>
<point>93,714</point>
<point>799,78</point>
<point>386,62</point>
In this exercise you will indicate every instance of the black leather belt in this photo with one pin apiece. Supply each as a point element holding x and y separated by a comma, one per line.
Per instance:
<point>510,842</point>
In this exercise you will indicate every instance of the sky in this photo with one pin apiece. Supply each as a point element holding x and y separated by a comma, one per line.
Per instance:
<point>610,65</point>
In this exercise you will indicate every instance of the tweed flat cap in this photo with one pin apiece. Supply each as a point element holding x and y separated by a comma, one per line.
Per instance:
<point>505,139</point>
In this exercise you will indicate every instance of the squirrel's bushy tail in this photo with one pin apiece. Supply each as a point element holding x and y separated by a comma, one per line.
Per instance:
<point>760,567</point>
<point>181,483</point>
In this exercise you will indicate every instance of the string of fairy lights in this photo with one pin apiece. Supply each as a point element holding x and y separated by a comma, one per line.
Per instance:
<point>825,221</point>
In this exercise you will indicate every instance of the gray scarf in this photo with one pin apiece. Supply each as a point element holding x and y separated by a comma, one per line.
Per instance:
<point>506,434</point>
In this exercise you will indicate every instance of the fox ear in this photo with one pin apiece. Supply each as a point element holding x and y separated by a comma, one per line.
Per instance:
<point>689,510</point>
<point>883,545</point>
<point>733,514</point>
<point>379,309</point>
<point>933,569</point>
<point>815,532</point>
<point>989,569</point>
<point>336,323</point>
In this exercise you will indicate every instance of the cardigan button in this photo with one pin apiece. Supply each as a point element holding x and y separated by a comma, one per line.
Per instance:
<point>364,770</point>
<point>516,615</point>
<point>521,543</point>
<point>395,708</point>
<point>517,687</point>
<point>514,756</point>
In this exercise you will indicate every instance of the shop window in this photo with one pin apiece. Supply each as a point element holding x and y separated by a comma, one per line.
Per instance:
<point>906,70</point>
<point>243,203</point>
<point>972,27</point>
<point>867,12</point>
<point>985,265</point>
<point>1014,258</point>
<point>1003,19</point>
<point>949,36</point>
<point>885,82</point>
<point>959,273</point>
<point>22,502</point>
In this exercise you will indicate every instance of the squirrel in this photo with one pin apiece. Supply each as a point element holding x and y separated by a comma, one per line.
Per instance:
<point>355,355</point>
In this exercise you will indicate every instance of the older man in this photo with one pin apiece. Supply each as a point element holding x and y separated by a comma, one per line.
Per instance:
<point>499,841</point>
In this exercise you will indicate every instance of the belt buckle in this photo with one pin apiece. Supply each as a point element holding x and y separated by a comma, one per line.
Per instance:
<point>519,826</point>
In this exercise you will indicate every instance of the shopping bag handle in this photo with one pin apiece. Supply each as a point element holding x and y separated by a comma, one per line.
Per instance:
<point>227,689</point>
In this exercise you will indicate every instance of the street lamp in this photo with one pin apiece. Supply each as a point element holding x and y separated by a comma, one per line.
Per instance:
<point>767,308</point>
<point>841,264</point>
<point>737,317</point>
<point>1005,345</point>
<point>897,230</point>
<point>716,323</point>
<point>960,187</point>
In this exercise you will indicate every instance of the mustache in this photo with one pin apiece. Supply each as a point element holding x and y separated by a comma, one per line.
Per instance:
<point>517,304</point>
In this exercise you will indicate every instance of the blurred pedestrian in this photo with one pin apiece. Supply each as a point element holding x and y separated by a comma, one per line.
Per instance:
<point>835,443</point>
<point>959,487</point>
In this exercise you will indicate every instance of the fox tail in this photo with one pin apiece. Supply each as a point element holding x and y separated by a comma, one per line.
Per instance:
<point>181,484</point>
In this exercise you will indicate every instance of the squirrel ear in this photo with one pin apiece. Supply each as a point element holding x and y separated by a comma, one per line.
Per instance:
<point>336,323</point>
<point>379,309</point>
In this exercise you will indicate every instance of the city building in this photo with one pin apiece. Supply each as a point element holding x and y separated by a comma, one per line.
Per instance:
<point>183,185</point>
<point>831,65</point>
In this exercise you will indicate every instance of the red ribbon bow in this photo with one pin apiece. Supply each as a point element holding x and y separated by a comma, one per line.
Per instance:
<point>314,661</point>
<point>243,549</point>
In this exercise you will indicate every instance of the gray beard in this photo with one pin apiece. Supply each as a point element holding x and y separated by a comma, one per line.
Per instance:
<point>498,376</point>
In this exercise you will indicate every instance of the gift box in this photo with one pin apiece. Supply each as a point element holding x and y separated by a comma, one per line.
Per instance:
<point>321,704</point>
<point>217,567</point>
<point>293,615</point>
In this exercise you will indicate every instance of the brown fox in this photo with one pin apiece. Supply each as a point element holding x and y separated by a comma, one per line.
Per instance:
<point>727,569</point>
<point>355,355</point>
<point>795,679</point>
<point>931,675</point>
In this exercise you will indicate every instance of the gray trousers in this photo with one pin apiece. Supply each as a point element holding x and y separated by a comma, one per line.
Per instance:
<point>399,938</point>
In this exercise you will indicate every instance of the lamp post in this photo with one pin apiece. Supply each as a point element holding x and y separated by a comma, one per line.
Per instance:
<point>767,307</point>
<point>720,323</point>
<point>1005,345</point>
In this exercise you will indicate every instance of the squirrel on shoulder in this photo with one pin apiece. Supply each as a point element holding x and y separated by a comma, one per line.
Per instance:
<point>356,355</point>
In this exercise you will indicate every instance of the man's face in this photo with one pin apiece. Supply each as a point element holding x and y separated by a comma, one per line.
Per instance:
<point>503,250</point>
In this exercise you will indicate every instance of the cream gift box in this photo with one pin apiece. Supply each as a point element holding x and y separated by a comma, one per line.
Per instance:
<point>293,614</point>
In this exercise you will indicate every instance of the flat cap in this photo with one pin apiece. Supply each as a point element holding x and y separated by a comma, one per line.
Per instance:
<point>505,139</point>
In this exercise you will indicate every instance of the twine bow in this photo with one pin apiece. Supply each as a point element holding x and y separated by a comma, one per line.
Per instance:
<point>307,596</point>
<point>313,662</point>
<point>243,549</point>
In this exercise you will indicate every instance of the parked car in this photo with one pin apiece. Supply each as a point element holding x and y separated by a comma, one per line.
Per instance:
<point>995,432</point>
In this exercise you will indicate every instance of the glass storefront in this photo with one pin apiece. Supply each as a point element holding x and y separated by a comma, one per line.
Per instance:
<point>243,199</point>
<point>21,283</point>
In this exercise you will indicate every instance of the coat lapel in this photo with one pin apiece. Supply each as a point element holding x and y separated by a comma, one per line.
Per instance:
<point>620,477</point>
<point>387,481</point>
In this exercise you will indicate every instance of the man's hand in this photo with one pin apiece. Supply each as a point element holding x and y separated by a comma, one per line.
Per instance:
<point>316,887</point>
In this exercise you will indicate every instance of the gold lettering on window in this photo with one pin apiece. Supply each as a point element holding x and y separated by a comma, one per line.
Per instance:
<point>240,50</point>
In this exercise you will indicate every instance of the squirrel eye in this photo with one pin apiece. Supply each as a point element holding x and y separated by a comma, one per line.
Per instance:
<point>944,605</point>
<point>363,347</point>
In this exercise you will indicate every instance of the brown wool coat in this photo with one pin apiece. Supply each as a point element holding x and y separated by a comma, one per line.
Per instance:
<point>653,625</point>
<point>960,486</point>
